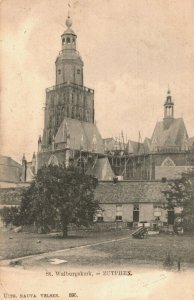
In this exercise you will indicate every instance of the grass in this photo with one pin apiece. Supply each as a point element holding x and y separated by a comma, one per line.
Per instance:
<point>13,245</point>
<point>150,250</point>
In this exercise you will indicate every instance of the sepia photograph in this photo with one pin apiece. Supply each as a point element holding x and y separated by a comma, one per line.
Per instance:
<point>97,149</point>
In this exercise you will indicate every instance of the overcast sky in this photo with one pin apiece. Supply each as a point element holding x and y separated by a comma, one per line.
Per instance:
<point>132,50</point>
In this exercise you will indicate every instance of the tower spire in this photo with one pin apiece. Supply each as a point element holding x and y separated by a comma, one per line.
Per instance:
<point>69,6</point>
<point>168,109</point>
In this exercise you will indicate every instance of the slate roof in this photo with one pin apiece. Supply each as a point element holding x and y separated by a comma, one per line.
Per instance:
<point>83,135</point>
<point>130,192</point>
<point>10,170</point>
<point>101,169</point>
<point>8,161</point>
<point>135,147</point>
<point>174,135</point>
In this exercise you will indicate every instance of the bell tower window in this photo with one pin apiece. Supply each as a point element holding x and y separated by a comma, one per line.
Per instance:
<point>63,41</point>
<point>73,41</point>
<point>68,40</point>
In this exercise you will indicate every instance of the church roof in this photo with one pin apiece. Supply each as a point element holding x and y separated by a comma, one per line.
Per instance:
<point>131,192</point>
<point>173,135</point>
<point>101,169</point>
<point>83,135</point>
<point>134,147</point>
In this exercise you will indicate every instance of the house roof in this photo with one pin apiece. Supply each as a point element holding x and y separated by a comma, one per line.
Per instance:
<point>10,170</point>
<point>173,135</point>
<point>101,169</point>
<point>130,192</point>
<point>82,135</point>
<point>8,161</point>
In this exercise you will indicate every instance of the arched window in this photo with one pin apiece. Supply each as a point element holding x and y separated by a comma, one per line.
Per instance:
<point>49,137</point>
<point>53,161</point>
<point>68,40</point>
<point>168,162</point>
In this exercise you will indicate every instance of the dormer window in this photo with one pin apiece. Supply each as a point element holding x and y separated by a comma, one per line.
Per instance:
<point>68,40</point>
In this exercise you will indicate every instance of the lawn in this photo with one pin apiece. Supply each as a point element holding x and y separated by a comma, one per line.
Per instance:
<point>149,250</point>
<point>13,245</point>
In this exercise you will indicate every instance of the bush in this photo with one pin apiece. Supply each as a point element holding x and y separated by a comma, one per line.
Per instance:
<point>10,215</point>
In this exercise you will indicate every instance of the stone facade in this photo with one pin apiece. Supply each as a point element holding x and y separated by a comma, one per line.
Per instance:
<point>70,135</point>
<point>167,153</point>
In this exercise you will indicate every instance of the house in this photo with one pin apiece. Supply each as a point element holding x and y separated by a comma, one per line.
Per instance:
<point>131,202</point>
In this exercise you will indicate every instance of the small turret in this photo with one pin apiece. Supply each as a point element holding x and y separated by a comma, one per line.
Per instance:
<point>168,110</point>
<point>24,167</point>
<point>69,65</point>
<point>34,160</point>
<point>39,143</point>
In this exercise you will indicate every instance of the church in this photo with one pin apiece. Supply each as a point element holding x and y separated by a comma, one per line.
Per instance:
<point>70,135</point>
<point>132,175</point>
<point>166,155</point>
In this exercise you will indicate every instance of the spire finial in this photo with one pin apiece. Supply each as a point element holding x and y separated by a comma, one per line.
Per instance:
<point>69,21</point>
<point>168,92</point>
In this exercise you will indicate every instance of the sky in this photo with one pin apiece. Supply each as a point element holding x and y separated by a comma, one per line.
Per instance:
<point>132,51</point>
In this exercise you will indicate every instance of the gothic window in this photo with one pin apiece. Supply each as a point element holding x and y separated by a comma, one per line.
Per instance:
<point>94,143</point>
<point>73,112</point>
<point>81,113</point>
<point>63,112</point>
<point>53,161</point>
<point>168,162</point>
<point>87,116</point>
<point>68,40</point>
<point>58,118</point>
<point>49,137</point>
<point>50,120</point>
<point>72,97</point>
<point>52,102</point>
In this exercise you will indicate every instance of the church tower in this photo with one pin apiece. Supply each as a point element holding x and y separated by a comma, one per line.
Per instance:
<point>69,65</point>
<point>69,98</point>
